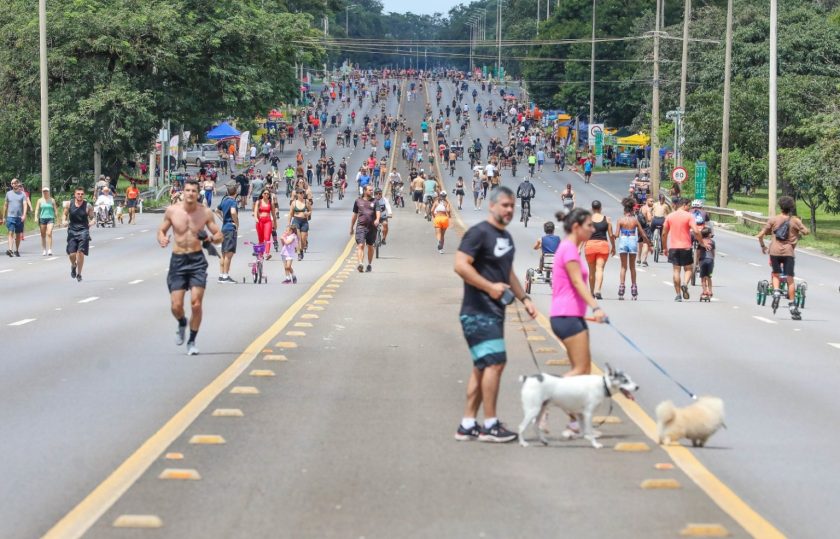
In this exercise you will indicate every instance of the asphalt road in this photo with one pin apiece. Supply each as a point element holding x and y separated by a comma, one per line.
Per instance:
<point>90,370</point>
<point>777,376</point>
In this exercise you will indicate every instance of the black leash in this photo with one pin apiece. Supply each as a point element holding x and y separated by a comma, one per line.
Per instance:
<point>525,332</point>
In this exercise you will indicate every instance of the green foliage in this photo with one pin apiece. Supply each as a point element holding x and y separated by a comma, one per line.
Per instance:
<point>117,68</point>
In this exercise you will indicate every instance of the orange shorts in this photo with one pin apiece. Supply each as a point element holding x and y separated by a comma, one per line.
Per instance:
<point>597,249</point>
<point>441,221</point>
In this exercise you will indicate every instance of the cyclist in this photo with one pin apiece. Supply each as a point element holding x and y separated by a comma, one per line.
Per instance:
<point>384,209</point>
<point>786,229</point>
<point>430,188</point>
<point>660,211</point>
<point>526,192</point>
<point>289,175</point>
<point>532,163</point>
<point>328,188</point>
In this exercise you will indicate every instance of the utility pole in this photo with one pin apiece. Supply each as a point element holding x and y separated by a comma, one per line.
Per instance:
<point>592,73</point>
<point>538,18</point>
<point>683,81</point>
<point>771,153</point>
<point>499,37</point>
<point>727,83</point>
<point>654,130</point>
<point>45,114</point>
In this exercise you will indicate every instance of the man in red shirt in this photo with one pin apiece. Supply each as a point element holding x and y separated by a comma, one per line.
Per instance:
<point>676,237</point>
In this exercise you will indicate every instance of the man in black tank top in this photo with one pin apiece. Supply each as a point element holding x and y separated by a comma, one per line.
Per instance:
<point>79,215</point>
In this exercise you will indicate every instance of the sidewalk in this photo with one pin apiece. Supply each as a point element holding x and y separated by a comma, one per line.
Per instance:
<point>352,436</point>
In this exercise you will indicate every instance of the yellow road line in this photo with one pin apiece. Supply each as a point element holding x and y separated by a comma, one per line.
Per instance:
<point>75,523</point>
<point>723,496</point>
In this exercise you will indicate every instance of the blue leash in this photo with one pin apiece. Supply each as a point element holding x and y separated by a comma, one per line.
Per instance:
<point>655,364</point>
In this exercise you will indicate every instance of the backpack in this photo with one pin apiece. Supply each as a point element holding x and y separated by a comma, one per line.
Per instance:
<point>783,231</point>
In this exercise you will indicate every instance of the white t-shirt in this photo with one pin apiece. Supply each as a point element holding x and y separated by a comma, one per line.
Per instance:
<point>491,170</point>
<point>253,151</point>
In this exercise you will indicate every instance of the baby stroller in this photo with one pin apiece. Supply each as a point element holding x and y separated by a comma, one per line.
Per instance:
<point>105,216</point>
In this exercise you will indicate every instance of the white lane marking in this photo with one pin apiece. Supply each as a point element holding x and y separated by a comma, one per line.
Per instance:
<point>58,308</point>
<point>754,264</point>
<point>22,322</point>
<point>765,320</point>
<point>146,230</point>
<point>722,254</point>
<point>136,281</point>
<point>88,300</point>
<point>51,258</point>
<point>835,344</point>
<point>120,238</point>
<point>6,270</point>
<point>668,283</point>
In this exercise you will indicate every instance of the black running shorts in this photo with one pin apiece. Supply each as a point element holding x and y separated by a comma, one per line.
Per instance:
<point>187,271</point>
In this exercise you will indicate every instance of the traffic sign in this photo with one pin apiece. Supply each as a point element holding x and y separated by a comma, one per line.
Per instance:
<point>700,176</point>
<point>679,175</point>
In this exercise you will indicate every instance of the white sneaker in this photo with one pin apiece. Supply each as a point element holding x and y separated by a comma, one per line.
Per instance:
<point>192,349</point>
<point>49,253</point>
<point>43,253</point>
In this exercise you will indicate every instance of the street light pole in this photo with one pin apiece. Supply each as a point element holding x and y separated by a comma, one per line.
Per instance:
<point>771,153</point>
<point>45,115</point>
<point>592,72</point>
<point>727,83</point>
<point>499,37</point>
<point>683,80</point>
<point>654,130</point>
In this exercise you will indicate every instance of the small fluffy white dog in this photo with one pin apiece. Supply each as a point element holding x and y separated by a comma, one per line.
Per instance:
<point>577,395</point>
<point>697,422</point>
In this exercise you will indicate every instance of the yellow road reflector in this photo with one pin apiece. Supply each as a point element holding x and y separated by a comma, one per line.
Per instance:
<point>314,308</point>
<point>180,473</point>
<point>310,316</point>
<point>245,390</point>
<point>321,302</point>
<point>267,350</point>
<point>332,286</point>
<point>207,439</point>
<point>606,420</point>
<point>663,466</point>
<point>631,447</point>
<point>325,296</point>
<point>303,324</point>
<point>138,521</point>
<point>296,333</point>
<point>546,350</point>
<point>557,362</point>
<point>261,373</point>
<point>704,530</point>
<point>227,412</point>
<point>275,357</point>
<point>660,484</point>
<point>174,456</point>
<point>536,338</point>
<point>286,344</point>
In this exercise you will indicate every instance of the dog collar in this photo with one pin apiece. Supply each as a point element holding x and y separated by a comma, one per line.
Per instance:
<point>606,388</point>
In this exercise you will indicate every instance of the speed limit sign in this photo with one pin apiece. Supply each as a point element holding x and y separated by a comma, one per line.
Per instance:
<point>679,174</point>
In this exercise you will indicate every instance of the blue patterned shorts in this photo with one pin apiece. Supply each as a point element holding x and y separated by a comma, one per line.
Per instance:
<point>485,335</point>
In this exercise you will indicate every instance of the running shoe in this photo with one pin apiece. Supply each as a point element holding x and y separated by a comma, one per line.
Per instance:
<point>221,279</point>
<point>678,298</point>
<point>229,279</point>
<point>79,277</point>
<point>440,251</point>
<point>361,268</point>
<point>192,349</point>
<point>497,433</point>
<point>287,281</point>
<point>598,295</point>
<point>9,253</point>
<point>49,252</point>
<point>180,334</point>
<point>467,435</point>
<point>684,289</point>
<point>368,268</point>
<point>294,279</point>
<point>72,272</point>
<point>17,254</point>
<point>44,252</point>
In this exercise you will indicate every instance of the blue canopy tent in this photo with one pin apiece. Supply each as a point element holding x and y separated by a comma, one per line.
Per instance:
<point>222,131</point>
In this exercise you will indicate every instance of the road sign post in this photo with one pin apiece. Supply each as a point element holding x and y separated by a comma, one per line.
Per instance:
<point>700,175</point>
<point>596,141</point>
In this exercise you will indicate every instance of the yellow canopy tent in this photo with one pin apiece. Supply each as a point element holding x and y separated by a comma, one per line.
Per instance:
<point>639,139</point>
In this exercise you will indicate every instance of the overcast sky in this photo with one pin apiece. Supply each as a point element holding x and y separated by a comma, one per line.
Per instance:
<point>426,7</point>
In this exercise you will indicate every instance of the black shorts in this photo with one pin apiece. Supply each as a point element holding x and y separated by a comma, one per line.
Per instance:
<point>78,241</point>
<point>229,241</point>
<point>187,271</point>
<point>485,335</point>
<point>782,264</point>
<point>131,203</point>
<point>680,257</point>
<point>365,235</point>
<point>568,326</point>
<point>707,266</point>
<point>302,223</point>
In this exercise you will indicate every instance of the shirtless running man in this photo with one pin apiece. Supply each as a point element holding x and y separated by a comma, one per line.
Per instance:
<point>188,267</point>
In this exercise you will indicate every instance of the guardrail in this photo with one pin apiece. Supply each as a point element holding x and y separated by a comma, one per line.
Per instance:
<point>741,217</point>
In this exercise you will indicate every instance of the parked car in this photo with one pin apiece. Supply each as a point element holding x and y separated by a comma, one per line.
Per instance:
<point>202,154</point>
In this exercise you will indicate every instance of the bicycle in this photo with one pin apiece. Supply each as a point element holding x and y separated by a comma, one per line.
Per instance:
<point>378,242</point>
<point>657,244</point>
<point>257,265</point>
<point>429,202</point>
<point>526,211</point>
